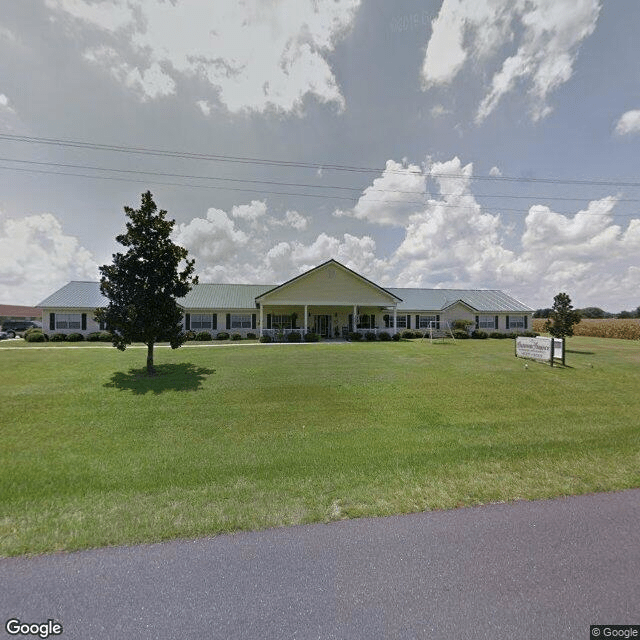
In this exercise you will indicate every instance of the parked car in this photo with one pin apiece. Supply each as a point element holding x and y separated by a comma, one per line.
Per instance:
<point>12,327</point>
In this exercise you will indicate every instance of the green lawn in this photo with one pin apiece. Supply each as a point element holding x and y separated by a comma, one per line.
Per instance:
<point>245,437</point>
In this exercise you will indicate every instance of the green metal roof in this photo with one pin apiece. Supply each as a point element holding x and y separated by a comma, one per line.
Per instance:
<point>86,295</point>
<point>78,295</point>
<point>438,299</point>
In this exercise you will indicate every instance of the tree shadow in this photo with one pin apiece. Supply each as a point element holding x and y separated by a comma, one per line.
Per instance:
<point>169,377</point>
<point>584,353</point>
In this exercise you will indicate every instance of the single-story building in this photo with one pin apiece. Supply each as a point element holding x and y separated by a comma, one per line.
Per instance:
<point>19,312</point>
<point>330,300</point>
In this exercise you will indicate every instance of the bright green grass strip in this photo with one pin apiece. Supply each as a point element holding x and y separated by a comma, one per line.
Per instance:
<point>246,437</point>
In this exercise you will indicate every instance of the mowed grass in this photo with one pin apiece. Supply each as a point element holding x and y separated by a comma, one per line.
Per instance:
<point>247,437</point>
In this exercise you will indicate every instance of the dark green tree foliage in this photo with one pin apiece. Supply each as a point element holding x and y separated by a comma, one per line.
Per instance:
<point>562,318</point>
<point>142,284</point>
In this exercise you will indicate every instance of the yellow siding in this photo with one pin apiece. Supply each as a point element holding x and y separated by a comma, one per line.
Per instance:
<point>330,285</point>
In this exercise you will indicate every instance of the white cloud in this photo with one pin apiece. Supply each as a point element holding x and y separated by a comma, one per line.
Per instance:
<point>629,123</point>
<point>393,197</point>
<point>211,240</point>
<point>252,212</point>
<point>549,35</point>
<point>5,105</point>
<point>495,172</point>
<point>149,83</point>
<point>256,55</point>
<point>37,257</point>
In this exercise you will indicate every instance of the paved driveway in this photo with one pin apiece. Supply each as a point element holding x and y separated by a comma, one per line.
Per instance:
<point>543,569</point>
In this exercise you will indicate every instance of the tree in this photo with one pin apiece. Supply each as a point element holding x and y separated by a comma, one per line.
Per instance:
<point>142,284</point>
<point>562,317</point>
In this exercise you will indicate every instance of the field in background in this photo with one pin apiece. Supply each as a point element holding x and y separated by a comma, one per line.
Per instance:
<point>625,329</point>
<point>227,438</point>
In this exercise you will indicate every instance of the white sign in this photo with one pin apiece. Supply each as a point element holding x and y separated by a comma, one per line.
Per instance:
<point>534,348</point>
<point>557,348</point>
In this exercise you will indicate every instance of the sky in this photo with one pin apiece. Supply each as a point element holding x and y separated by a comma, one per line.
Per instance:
<point>483,144</point>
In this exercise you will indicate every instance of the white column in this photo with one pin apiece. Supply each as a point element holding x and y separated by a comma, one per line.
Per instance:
<point>261,319</point>
<point>306,316</point>
<point>355,324</point>
<point>395,320</point>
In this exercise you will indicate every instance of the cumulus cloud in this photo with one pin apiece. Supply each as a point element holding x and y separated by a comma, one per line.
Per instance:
<point>37,257</point>
<point>548,34</point>
<point>255,55</point>
<point>393,197</point>
<point>629,123</point>
<point>149,83</point>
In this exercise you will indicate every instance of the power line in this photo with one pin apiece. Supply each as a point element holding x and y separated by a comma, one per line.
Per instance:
<point>422,202</point>
<point>368,189</point>
<point>94,146</point>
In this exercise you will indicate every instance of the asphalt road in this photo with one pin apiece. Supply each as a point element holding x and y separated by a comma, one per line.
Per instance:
<point>545,569</point>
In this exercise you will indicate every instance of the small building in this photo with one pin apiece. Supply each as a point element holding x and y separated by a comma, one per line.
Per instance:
<point>330,300</point>
<point>19,312</point>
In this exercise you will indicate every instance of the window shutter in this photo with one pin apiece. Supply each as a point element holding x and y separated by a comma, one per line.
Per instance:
<point>214,321</point>
<point>84,322</point>
<point>417,322</point>
<point>495,326</point>
<point>507,322</point>
<point>408,321</point>
<point>438,322</point>
<point>52,321</point>
<point>477,322</point>
<point>228,321</point>
<point>351,322</point>
<point>386,320</point>
<point>526,319</point>
<point>373,321</point>
<point>268,321</point>
<point>253,320</point>
<point>187,321</point>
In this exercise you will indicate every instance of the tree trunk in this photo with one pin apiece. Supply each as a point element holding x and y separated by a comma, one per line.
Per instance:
<point>151,371</point>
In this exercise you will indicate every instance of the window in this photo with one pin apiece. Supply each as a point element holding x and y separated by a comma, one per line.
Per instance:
<point>201,321</point>
<point>428,322</point>
<point>401,321</point>
<point>366,322</point>
<point>277,322</point>
<point>68,320</point>
<point>240,321</point>
<point>517,322</point>
<point>487,322</point>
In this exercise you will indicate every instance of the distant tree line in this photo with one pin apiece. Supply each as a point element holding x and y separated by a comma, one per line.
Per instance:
<point>592,312</point>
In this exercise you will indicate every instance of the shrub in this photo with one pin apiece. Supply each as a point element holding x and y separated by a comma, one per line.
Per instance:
<point>407,334</point>
<point>251,336</point>
<point>479,335</point>
<point>93,337</point>
<point>294,336</point>
<point>462,325</point>
<point>190,335</point>
<point>75,337</point>
<point>266,339</point>
<point>355,336</point>
<point>529,334</point>
<point>384,336</point>
<point>311,337</point>
<point>35,336</point>
<point>460,334</point>
<point>236,336</point>
<point>396,337</point>
<point>223,335</point>
<point>105,336</point>
<point>58,337</point>
<point>370,336</point>
<point>499,336</point>
<point>203,336</point>
<point>31,330</point>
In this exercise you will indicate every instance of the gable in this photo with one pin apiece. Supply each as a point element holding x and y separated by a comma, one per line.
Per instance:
<point>329,284</point>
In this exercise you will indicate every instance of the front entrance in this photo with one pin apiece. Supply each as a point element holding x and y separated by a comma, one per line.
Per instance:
<point>322,325</point>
